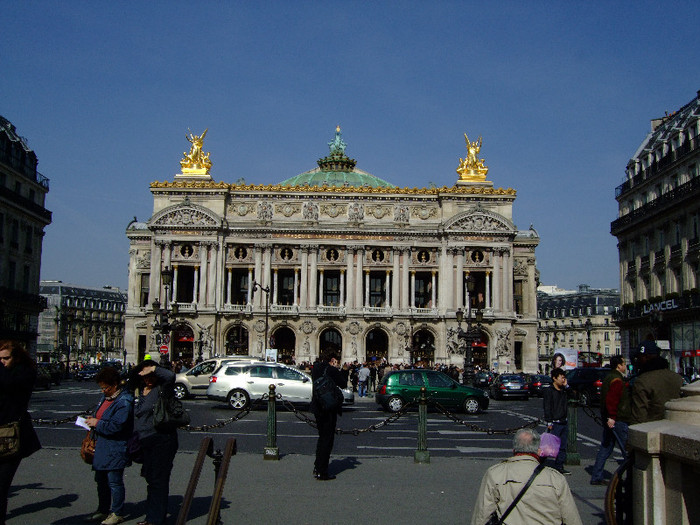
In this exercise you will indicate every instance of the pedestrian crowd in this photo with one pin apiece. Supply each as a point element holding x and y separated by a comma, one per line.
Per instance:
<point>521,487</point>
<point>123,426</point>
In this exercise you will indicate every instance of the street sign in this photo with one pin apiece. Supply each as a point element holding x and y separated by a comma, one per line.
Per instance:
<point>166,339</point>
<point>163,349</point>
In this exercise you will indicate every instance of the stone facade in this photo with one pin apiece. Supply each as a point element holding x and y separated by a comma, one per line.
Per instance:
<point>582,319</point>
<point>81,323</point>
<point>23,218</point>
<point>332,260</point>
<point>658,232</point>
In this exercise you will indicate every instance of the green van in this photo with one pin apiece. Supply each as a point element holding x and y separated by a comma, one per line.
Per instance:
<point>399,387</point>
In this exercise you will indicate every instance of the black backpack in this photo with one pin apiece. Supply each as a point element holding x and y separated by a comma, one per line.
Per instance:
<point>328,395</point>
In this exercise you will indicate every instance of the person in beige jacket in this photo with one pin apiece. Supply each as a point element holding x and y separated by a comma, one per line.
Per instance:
<point>548,500</point>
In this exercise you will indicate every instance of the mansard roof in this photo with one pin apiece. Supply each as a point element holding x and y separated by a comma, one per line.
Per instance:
<point>665,129</point>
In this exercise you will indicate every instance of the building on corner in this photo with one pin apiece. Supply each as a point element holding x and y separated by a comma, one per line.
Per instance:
<point>23,218</point>
<point>658,237</point>
<point>81,324</point>
<point>582,319</point>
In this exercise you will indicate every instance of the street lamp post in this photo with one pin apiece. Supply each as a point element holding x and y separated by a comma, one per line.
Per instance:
<point>200,343</point>
<point>161,321</point>
<point>588,325</point>
<point>470,336</point>
<point>266,290</point>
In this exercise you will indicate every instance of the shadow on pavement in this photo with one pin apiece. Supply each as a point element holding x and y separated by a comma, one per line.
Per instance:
<point>340,465</point>
<point>59,502</point>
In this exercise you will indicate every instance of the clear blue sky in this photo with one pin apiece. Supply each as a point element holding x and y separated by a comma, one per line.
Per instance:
<point>562,93</point>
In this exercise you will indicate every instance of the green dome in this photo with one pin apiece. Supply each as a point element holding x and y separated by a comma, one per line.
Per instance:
<point>337,170</point>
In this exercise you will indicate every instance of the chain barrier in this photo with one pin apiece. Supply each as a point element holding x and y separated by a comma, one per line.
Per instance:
<point>477,428</point>
<point>591,413</point>
<point>302,416</point>
<point>355,431</point>
<point>56,422</point>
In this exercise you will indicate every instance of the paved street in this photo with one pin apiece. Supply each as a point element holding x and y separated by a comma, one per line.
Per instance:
<point>445,438</point>
<point>376,473</point>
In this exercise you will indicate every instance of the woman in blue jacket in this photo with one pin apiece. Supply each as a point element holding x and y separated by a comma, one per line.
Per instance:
<point>113,422</point>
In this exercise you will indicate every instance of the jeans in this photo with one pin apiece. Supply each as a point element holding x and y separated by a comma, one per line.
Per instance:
<point>158,454</point>
<point>607,445</point>
<point>561,430</point>
<point>363,388</point>
<point>110,491</point>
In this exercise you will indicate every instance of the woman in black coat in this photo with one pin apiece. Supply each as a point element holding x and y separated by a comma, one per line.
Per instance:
<point>17,377</point>
<point>158,447</point>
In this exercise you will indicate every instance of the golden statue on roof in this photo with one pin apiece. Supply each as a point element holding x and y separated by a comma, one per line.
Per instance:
<point>196,161</point>
<point>472,168</point>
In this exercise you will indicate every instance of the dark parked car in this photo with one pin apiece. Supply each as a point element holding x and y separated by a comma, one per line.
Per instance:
<point>54,370</point>
<point>510,385</point>
<point>483,380</point>
<point>584,383</point>
<point>87,373</point>
<point>403,386</point>
<point>538,383</point>
<point>43,378</point>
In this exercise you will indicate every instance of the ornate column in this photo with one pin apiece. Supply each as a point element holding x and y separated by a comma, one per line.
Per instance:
<point>433,290</point>
<point>219,275</point>
<point>155,280</point>
<point>304,290</point>
<point>320,287</point>
<point>195,296</point>
<point>250,286</point>
<point>488,289</point>
<point>349,274</point>
<point>212,285</point>
<point>342,287</point>
<point>174,292</point>
<point>313,278</point>
<point>387,291</point>
<point>365,302</point>
<point>459,279</point>
<point>405,283</point>
<point>134,283</point>
<point>203,260</point>
<point>467,297</point>
<point>497,270</point>
<point>508,274</point>
<point>296,286</point>
<point>447,274</point>
<point>266,269</point>
<point>413,289</point>
<point>257,276</point>
<point>274,286</point>
<point>359,269</point>
<point>229,285</point>
<point>396,279</point>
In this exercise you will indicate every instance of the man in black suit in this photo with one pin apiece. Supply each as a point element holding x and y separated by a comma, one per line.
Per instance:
<point>325,420</point>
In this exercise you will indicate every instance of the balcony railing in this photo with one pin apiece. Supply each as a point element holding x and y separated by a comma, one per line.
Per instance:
<point>377,311</point>
<point>245,308</point>
<point>331,310</point>
<point>677,155</point>
<point>668,199</point>
<point>286,309</point>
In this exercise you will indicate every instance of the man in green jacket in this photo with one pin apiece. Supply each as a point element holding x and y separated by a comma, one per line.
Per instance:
<point>655,385</point>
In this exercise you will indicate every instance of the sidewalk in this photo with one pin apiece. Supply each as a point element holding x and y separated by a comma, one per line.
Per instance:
<point>54,486</point>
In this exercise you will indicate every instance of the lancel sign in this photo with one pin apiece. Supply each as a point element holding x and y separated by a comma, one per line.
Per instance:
<point>661,306</point>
